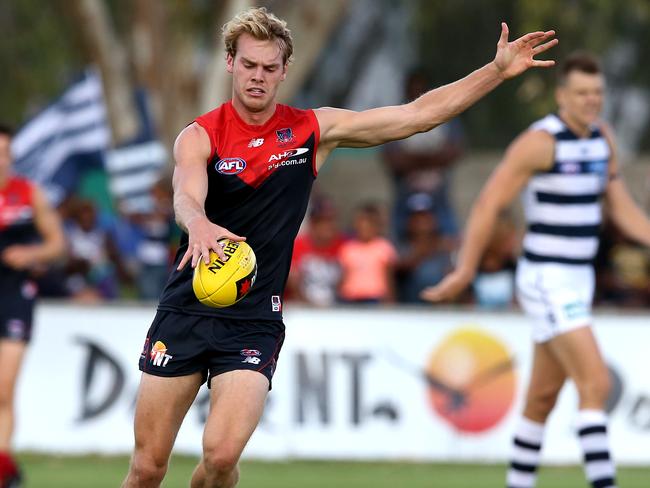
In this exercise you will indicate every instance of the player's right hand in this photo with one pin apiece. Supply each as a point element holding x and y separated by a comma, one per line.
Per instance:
<point>448,289</point>
<point>203,237</point>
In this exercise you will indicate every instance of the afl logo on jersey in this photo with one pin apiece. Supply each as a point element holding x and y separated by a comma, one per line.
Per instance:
<point>230,166</point>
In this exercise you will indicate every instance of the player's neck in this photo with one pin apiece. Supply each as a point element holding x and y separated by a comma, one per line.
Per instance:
<point>4,179</point>
<point>253,118</point>
<point>578,128</point>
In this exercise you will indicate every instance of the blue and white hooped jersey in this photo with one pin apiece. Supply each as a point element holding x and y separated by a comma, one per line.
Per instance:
<point>562,205</point>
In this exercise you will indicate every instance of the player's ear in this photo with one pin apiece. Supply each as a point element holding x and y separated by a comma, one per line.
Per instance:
<point>284,71</point>
<point>230,63</point>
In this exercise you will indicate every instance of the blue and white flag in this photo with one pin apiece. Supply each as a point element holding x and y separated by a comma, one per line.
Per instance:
<point>133,170</point>
<point>54,146</point>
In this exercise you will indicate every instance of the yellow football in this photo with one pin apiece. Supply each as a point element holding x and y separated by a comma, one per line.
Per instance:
<point>223,283</point>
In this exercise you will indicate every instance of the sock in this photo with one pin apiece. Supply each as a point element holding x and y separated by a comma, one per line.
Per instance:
<point>526,450</point>
<point>8,466</point>
<point>592,433</point>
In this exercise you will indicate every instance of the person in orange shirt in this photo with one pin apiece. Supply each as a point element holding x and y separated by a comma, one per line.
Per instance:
<point>367,261</point>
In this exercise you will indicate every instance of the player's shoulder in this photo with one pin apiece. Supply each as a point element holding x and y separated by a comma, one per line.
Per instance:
<point>541,134</point>
<point>21,184</point>
<point>22,189</point>
<point>551,124</point>
<point>290,114</point>
<point>534,149</point>
<point>214,117</point>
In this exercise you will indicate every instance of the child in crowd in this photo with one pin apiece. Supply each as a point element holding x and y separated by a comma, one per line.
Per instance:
<point>367,261</point>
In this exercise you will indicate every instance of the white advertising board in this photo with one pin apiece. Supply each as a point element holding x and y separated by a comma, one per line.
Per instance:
<point>350,384</point>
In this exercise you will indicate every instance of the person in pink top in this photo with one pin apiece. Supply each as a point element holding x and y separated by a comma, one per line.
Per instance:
<point>367,261</point>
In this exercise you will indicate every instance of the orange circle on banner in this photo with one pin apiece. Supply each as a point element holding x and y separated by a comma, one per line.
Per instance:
<point>471,380</point>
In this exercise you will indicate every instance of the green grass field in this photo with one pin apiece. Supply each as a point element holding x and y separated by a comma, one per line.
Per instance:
<point>107,472</point>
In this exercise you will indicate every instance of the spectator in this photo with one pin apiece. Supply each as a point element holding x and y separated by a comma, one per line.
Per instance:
<point>494,283</point>
<point>315,270</point>
<point>623,270</point>
<point>420,164</point>
<point>94,264</point>
<point>367,261</point>
<point>154,247</point>
<point>424,261</point>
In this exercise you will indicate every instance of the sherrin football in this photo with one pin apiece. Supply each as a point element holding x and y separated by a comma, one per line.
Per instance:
<point>220,283</point>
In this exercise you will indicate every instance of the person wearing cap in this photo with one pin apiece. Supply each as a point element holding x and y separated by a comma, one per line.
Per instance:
<point>423,260</point>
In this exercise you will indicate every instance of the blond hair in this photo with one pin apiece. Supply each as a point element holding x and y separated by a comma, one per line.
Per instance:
<point>262,25</point>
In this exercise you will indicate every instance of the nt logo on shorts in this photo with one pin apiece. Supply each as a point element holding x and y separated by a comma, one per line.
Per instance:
<point>158,355</point>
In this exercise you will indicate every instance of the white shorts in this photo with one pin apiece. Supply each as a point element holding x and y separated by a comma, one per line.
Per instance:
<point>556,296</point>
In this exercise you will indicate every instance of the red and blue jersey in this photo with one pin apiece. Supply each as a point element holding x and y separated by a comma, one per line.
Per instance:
<point>16,222</point>
<point>259,181</point>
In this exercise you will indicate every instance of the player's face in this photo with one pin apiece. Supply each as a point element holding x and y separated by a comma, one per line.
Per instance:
<point>581,98</point>
<point>257,70</point>
<point>5,153</point>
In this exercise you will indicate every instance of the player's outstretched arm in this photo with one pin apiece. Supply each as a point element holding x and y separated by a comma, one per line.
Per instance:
<point>530,152</point>
<point>190,181</point>
<point>620,205</point>
<point>377,126</point>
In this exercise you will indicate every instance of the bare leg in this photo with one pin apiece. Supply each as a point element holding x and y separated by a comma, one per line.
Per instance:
<point>579,355</point>
<point>161,406</point>
<point>11,357</point>
<point>546,380</point>
<point>236,406</point>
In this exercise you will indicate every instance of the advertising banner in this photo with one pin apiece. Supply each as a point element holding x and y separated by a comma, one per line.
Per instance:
<point>387,384</point>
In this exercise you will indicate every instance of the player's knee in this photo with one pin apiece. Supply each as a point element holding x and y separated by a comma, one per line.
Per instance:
<point>595,389</point>
<point>540,403</point>
<point>6,399</point>
<point>220,461</point>
<point>147,470</point>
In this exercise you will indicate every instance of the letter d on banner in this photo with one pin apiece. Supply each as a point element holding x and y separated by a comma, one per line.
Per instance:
<point>96,359</point>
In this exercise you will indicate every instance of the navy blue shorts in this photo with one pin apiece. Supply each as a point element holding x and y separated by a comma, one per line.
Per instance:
<point>17,310</point>
<point>180,345</point>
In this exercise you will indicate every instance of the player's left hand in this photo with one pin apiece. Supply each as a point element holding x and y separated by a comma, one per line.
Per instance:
<point>448,289</point>
<point>18,257</point>
<point>513,58</point>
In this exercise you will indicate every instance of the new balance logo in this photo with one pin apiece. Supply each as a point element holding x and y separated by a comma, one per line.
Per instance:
<point>251,360</point>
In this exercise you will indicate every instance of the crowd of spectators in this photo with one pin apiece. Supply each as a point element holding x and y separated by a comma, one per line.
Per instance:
<point>114,255</point>
<point>365,266</point>
<point>128,256</point>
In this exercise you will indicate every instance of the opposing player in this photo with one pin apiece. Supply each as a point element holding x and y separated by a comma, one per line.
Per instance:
<point>30,237</point>
<point>245,170</point>
<point>566,163</point>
